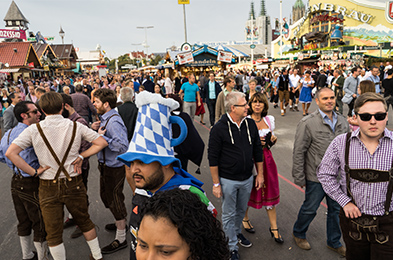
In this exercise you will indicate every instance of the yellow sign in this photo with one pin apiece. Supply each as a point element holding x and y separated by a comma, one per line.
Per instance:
<point>184,2</point>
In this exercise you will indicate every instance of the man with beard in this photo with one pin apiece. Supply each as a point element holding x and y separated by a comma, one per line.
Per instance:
<point>113,172</point>
<point>153,166</point>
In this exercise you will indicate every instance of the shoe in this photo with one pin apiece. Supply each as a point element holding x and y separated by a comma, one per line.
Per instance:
<point>304,114</point>
<point>35,257</point>
<point>113,247</point>
<point>69,223</point>
<point>282,112</point>
<point>302,243</point>
<point>77,233</point>
<point>203,123</point>
<point>92,258</point>
<point>235,255</point>
<point>243,241</point>
<point>291,108</point>
<point>279,239</point>
<point>250,228</point>
<point>112,227</point>
<point>340,250</point>
<point>275,106</point>
<point>297,109</point>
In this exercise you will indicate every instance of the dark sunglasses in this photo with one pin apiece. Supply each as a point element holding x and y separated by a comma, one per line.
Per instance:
<point>377,116</point>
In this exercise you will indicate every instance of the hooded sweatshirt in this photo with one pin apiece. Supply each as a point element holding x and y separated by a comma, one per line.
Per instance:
<point>234,149</point>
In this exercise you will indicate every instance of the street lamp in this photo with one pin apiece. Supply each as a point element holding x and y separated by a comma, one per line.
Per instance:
<point>62,34</point>
<point>145,44</point>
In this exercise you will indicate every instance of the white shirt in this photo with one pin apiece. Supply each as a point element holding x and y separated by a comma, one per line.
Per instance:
<point>294,80</point>
<point>58,131</point>
<point>168,86</point>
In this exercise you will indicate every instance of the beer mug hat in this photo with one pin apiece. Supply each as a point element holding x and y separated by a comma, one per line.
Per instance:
<point>151,141</point>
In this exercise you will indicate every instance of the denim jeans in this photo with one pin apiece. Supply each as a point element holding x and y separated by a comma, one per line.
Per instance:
<point>234,205</point>
<point>308,211</point>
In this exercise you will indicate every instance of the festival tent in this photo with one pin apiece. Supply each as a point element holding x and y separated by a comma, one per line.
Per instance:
<point>234,51</point>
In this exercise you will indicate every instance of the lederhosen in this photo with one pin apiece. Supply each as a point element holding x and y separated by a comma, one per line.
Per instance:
<point>112,184</point>
<point>24,192</point>
<point>368,225</point>
<point>68,191</point>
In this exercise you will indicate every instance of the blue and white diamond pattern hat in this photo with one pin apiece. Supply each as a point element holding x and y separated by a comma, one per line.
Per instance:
<point>152,139</point>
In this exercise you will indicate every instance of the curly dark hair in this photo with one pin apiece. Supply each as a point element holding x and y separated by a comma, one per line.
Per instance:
<point>195,223</point>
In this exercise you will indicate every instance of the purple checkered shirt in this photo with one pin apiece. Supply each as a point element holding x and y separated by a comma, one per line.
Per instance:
<point>369,197</point>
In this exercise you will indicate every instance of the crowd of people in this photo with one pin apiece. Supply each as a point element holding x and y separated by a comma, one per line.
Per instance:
<point>51,127</point>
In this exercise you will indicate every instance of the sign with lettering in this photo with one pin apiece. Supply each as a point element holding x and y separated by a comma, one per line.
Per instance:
<point>13,34</point>
<point>185,57</point>
<point>224,56</point>
<point>389,11</point>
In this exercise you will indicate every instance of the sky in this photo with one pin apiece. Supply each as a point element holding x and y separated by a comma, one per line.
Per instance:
<point>112,23</point>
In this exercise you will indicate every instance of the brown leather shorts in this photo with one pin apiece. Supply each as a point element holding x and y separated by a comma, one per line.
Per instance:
<point>53,197</point>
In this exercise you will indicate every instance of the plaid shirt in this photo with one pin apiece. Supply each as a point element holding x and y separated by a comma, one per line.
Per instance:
<point>369,197</point>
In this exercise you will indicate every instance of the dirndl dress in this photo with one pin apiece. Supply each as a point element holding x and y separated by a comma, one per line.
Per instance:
<point>269,194</point>
<point>200,110</point>
<point>305,93</point>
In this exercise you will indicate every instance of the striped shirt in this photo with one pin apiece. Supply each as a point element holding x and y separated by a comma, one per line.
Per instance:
<point>369,197</point>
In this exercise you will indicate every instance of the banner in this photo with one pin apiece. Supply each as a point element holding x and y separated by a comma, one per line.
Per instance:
<point>185,57</point>
<point>224,56</point>
<point>12,34</point>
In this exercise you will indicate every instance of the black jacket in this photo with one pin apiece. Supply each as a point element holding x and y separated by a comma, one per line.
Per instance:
<point>234,150</point>
<point>205,92</point>
<point>129,113</point>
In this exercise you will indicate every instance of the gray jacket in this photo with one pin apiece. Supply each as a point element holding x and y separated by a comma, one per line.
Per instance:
<point>313,136</point>
<point>9,118</point>
<point>351,85</point>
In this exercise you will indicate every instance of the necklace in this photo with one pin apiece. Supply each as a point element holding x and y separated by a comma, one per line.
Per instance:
<point>258,120</point>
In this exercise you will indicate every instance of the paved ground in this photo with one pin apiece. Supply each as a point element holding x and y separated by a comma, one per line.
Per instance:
<point>263,247</point>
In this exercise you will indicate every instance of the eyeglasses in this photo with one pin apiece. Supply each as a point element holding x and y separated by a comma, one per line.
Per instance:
<point>240,105</point>
<point>34,111</point>
<point>377,116</point>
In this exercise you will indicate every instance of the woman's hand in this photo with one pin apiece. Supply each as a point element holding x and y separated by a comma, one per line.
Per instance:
<point>274,138</point>
<point>263,141</point>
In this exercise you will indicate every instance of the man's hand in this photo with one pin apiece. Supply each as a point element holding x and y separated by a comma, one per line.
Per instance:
<point>274,139</point>
<point>259,181</point>
<point>354,95</point>
<point>199,103</point>
<point>41,170</point>
<point>101,131</point>
<point>217,191</point>
<point>77,165</point>
<point>95,125</point>
<point>351,211</point>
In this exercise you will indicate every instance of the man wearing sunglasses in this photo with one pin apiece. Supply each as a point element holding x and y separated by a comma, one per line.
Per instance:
<point>24,187</point>
<point>362,162</point>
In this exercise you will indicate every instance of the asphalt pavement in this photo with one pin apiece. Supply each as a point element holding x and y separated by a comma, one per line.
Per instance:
<point>264,246</point>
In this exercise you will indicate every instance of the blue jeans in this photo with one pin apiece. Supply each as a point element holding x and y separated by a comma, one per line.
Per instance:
<point>308,211</point>
<point>235,196</point>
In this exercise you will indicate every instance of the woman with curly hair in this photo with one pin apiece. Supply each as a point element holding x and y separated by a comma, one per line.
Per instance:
<point>176,224</point>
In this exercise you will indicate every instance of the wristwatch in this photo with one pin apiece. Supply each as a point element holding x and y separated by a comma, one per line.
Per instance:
<point>35,174</point>
<point>215,185</point>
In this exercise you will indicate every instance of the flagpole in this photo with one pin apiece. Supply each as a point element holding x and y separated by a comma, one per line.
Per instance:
<point>280,28</point>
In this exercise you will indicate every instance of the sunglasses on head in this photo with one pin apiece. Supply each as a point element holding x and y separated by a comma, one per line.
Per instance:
<point>377,116</point>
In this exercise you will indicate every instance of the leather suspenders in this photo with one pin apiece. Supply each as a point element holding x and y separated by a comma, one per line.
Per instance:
<point>368,176</point>
<point>61,164</point>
